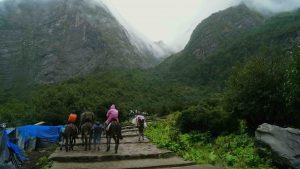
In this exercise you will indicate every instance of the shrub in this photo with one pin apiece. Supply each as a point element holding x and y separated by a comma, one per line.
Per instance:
<point>236,150</point>
<point>206,116</point>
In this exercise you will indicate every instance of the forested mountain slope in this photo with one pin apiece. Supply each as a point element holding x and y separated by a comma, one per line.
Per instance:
<point>230,38</point>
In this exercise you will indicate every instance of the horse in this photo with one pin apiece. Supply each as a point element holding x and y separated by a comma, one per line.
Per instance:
<point>86,135</point>
<point>86,117</point>
<point>114,132</point>
<point>141,126</point>
<point>69,136</point>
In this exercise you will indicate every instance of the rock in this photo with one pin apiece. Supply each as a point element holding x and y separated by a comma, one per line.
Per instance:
<point>283,142</point>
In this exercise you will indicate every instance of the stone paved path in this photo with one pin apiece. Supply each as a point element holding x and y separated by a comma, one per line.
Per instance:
<point>132,154</point>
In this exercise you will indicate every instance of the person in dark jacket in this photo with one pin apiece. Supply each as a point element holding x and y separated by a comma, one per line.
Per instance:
<point>97,130</point>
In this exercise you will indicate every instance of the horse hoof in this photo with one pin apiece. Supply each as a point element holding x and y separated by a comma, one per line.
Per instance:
<point>60,149</point>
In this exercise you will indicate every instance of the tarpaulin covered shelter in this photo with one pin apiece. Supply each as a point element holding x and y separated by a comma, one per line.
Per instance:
<point>10,154</point>
<point>27,136</point>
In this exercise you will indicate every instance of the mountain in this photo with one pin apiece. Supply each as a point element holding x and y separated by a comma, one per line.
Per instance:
<point>229,38</point>
<point>46,41</point>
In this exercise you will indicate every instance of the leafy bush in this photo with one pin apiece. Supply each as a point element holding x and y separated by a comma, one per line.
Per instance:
<point>236,150</point>
<point>44,163</point>
<point>208,115</point>
<point>292,85</point>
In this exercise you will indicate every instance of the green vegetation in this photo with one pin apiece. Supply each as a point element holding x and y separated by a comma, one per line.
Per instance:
<point>44,163</point>
<point>128,90</point>
<point>220,97</point>
<point>233,150</point>
<point>271,38</point>
<point>207,115</point>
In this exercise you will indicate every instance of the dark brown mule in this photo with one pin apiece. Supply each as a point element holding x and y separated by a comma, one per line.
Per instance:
<point>141,126</point>
<point>114,132</point>
<point>69,136</point>
<point>86,117</point>
<point>87,134</point>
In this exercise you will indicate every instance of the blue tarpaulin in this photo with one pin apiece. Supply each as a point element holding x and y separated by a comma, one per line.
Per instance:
<point>8,131</point>
<point>14,147</point>
<point>25,133</point>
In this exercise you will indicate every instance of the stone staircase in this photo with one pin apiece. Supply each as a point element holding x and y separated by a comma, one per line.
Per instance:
<point>132,154</point>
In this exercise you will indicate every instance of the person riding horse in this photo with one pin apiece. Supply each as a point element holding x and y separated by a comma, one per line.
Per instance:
<point>86,125</point>
<point>113,115</point>
<point>69,132</point>
<point>113,128</point>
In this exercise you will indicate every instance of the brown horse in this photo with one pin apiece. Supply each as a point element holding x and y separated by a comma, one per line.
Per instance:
<point>86,135</point>
<point>69,136</point>
<point>86,117</point>
<point>114,132</point>
<point>141,126</point>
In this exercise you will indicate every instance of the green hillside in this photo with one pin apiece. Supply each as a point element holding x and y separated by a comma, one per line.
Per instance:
<point>239,70</point>
<point>129,90</point>
<point>266,36</point>
<point>187,81</point>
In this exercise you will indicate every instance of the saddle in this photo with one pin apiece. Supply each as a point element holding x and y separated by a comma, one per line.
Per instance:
<point>113,121</point>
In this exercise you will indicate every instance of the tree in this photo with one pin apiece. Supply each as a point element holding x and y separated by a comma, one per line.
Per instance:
<point>255,93</point>
<point>292,85</point>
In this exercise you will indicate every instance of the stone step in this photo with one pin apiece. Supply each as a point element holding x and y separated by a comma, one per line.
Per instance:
<point>125,140</point>
<point>126,152</point>
<point>202,166</point>
<point>130,130</point>
<point>128,127</point>
<point>126,164</point>
<point>124,134</point>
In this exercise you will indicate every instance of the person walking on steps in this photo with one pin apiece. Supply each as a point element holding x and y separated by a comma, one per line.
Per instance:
<point>97,130</point>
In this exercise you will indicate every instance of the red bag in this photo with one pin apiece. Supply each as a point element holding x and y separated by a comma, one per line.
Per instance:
<point>72,118</point>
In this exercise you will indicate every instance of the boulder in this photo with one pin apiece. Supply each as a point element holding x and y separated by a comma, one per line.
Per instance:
<point>283,142</point>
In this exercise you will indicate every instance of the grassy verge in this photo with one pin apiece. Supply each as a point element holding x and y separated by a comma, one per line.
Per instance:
<point>38,159</point>
<point>234,150</point>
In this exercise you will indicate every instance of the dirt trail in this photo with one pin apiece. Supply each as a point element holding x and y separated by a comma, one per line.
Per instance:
<point>132,154</point>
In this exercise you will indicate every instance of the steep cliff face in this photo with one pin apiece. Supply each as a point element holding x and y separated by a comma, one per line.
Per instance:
<point>51,40</point>
<point>221,28</point>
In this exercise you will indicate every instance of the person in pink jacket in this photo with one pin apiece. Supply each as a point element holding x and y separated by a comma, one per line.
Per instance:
<point>112,114</point>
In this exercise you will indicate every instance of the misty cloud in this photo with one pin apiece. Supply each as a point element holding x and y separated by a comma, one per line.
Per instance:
<point>179,33</point>
<point>273,6</point>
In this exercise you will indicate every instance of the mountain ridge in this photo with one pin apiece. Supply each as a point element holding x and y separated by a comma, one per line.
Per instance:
<point>211,63</point>
<point>49,41</point>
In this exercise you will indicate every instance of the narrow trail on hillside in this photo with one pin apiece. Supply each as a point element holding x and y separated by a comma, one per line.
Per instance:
<point>132,154</point>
